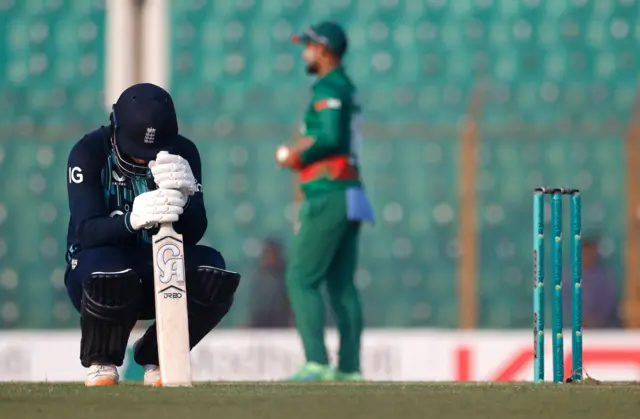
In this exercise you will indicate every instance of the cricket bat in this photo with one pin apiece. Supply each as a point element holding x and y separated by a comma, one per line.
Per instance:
<point>172,322</point>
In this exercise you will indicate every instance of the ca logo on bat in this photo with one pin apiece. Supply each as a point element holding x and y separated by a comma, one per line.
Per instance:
<point>170,263</point>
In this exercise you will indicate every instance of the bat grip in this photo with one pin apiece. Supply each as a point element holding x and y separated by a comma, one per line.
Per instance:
<point>166,228</point>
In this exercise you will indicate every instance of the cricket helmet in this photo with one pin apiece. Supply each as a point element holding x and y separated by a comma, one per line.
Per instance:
<point>144,123</point>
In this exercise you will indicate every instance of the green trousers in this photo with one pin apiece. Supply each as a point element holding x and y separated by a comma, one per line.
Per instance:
<point>325,253</point>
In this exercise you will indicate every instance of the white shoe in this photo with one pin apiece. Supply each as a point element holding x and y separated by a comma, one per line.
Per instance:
<point>152,376</point>
<point>102,375</point>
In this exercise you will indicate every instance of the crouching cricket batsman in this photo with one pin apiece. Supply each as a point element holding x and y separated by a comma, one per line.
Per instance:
<point>124,180</point>
<point>325,247</point>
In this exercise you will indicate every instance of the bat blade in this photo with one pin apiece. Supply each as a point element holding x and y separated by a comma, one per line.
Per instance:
<point>172,324</point>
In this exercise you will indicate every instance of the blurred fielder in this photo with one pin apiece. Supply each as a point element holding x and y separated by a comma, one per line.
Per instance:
<point>120,188</point>
<point>325,247</point>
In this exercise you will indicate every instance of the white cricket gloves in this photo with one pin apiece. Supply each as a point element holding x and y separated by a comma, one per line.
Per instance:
<point>173,172</point>
<point>175,182</point>
<point>156,207</point>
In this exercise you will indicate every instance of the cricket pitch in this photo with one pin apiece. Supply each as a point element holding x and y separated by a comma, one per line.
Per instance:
<point>321,401</point>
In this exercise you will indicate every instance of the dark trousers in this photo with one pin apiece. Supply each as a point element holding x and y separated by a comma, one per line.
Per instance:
<point>114,259</point>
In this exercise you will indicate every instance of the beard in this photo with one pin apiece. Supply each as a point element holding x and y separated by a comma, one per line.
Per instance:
<point>312,68</point>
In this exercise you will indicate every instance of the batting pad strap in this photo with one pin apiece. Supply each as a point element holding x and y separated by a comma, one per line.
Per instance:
<point>213,268</point>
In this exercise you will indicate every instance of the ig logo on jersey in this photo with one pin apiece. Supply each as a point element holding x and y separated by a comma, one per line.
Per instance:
<point>75,175</point>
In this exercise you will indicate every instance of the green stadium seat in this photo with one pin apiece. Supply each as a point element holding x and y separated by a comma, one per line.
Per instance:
<point>52,80</point>
<point>54,57</point>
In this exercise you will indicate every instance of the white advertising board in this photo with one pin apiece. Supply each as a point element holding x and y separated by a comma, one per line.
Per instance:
<point>387,355</point>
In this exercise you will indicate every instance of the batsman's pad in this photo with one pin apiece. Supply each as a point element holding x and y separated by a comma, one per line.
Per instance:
<point>212,287</point>
<point>109,310</point>
<point>210,293</point>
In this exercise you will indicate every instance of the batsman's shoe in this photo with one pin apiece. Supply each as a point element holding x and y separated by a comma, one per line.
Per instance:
<point>102,375</point>
<point>152,376</point>
<point>348,376</point>
<point>312,371</point>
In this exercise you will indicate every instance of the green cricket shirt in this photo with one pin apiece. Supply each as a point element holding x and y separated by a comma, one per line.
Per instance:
<point>333,120</point>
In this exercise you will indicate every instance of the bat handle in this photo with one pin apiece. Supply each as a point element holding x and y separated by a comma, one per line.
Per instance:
<point>166,228</point>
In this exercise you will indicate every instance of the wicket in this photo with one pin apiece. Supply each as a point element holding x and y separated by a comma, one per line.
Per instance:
<point>557,194</point>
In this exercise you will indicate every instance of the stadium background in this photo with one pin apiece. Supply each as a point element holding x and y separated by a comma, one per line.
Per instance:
<point>470,104</point>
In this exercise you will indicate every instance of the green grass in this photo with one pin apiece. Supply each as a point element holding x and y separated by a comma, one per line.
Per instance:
<point>321,401</point>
